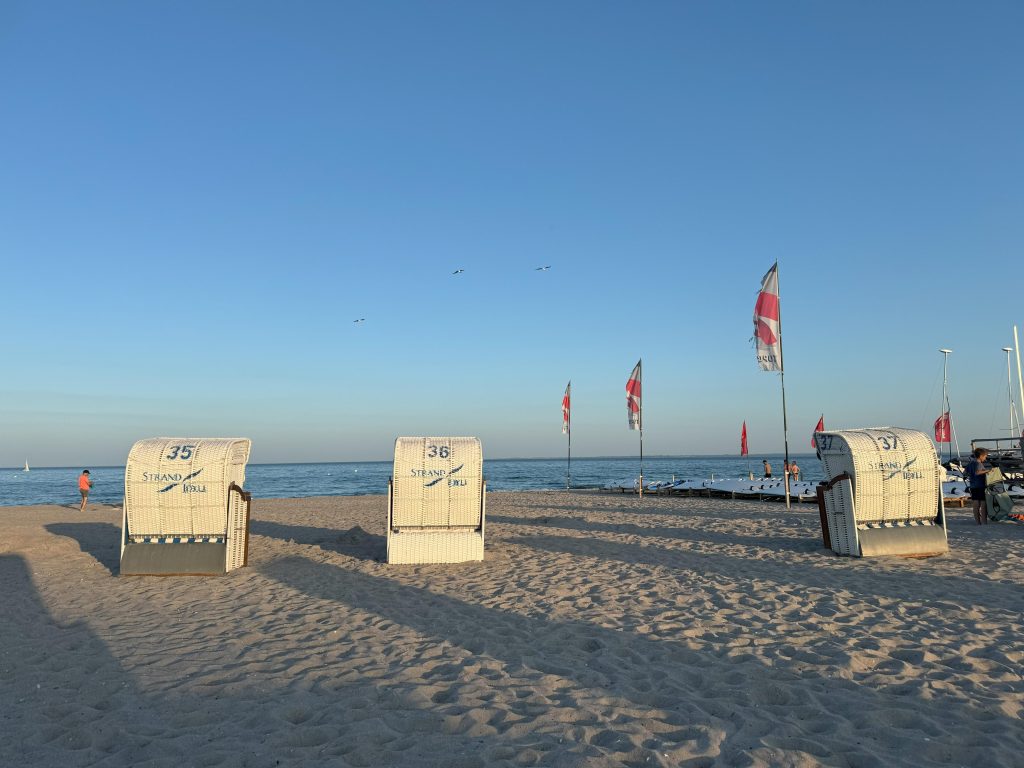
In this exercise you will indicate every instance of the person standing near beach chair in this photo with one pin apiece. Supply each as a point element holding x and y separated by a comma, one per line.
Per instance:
<point>84,484</point>
<point>976,471</point>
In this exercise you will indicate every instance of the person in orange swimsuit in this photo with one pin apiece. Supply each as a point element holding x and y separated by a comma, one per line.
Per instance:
<point>84,484</point>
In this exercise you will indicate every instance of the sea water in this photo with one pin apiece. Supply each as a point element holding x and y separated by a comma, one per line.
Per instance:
<point>57,485</point>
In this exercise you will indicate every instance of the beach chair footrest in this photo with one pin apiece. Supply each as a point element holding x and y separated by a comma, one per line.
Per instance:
<point>910,541</point>
<point>418,546</point>
<point>151,559</point>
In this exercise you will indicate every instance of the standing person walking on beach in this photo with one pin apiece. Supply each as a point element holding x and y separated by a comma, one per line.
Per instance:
<point>976,471</point>
<point>84,484</point>
<point>794,470</point>
<point>767,468</point>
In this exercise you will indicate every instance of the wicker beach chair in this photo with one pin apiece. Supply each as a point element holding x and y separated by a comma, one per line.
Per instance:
<point>436,501</point>
<point>884,496</point>
<point>185,512</point>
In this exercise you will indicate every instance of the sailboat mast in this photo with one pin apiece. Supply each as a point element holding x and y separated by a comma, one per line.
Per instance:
<point>1020,381</point>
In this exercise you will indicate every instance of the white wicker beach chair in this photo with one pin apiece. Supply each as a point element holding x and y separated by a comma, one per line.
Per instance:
<point>185,512</point>
<point>884,496</point>
<point>436,501</point>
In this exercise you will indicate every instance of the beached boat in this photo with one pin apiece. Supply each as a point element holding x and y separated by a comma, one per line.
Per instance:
<point>744,488</point>
<point>954,488</point>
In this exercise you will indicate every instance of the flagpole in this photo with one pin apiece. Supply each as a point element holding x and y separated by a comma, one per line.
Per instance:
<point>641,404</point>
<point>568,434</point>
<point>945,396</point>
<point>568,460</point>
<point>782,378</point>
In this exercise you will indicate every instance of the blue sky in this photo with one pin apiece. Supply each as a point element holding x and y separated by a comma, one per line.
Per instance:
<point>197,200</point>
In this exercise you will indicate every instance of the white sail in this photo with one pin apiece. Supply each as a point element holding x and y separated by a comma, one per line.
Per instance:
<point>26,465</point>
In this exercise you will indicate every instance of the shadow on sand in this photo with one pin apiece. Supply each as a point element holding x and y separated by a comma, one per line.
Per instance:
<point>751,702</point>
<point>101,540</point>
<point>923,584</point>
<point>689,533</point>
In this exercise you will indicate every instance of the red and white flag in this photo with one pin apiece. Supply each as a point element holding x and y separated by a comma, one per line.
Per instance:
<point>819,428</point>
<point>634,407</point>
<point>566,409</point>
<point>743,440</point>
<point>766,322</point>
<point>942,428</point>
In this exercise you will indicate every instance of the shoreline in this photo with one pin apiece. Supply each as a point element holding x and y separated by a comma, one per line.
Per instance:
<point>599,631</point>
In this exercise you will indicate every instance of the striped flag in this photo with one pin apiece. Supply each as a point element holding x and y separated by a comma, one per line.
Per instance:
<point>766,322</point>
<point>819,428</point>
<point>634,407</point>
<point>566,409</point>
<point>743,440</point>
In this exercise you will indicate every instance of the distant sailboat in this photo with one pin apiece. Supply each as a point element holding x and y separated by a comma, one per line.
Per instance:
<point>26,465</point>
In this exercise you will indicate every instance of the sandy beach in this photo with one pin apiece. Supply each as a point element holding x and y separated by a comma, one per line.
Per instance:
<point>599,631</point>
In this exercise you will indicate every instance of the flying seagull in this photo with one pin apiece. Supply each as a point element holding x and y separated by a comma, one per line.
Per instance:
<point>543,269</point>
<point>361,319</point>
<point>457,271</point>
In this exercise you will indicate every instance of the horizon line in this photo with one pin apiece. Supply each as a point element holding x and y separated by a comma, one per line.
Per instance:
<point>768,454</point>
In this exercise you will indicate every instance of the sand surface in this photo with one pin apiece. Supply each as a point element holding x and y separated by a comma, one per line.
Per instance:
<point>599,631</point>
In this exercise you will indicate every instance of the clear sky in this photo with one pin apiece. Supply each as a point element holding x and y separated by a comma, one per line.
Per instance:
<point>198,199</point>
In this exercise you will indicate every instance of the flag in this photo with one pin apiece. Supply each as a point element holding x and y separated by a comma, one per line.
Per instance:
<point>565,409</point>
<point>819,428</point>
<point>743,440</point>
<point>942,428</point>
<point>766,322</point>
<point>634,409</point>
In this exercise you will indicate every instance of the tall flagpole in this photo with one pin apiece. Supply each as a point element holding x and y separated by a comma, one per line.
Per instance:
<point>952,424</point>
<point>568,459</point>
<point>782,378</point>
<point>641,404</point>
<point>568,434</point>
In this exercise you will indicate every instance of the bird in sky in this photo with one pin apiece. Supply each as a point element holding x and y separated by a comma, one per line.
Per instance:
<point>457,271</point>
<point>361,319</point>
<point>543,269</point>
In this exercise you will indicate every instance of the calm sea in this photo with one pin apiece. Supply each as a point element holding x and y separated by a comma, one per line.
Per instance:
<point>55,485</point>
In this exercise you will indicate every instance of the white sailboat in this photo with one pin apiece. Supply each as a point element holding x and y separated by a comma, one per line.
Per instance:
<point>26,465</point>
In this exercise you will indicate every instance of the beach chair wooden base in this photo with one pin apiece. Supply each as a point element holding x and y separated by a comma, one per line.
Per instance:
<point>193,559</point>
